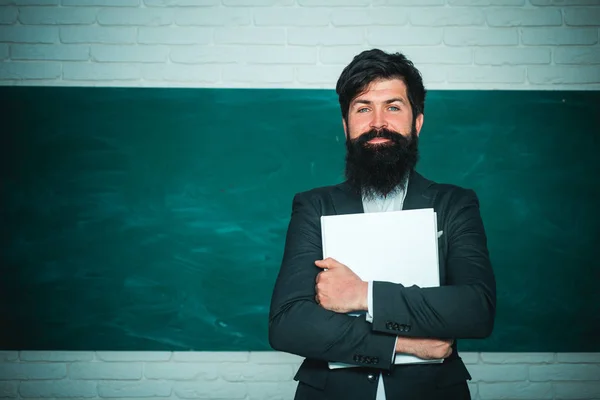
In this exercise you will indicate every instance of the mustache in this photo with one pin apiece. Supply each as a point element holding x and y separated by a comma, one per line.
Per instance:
<point>395,137</point>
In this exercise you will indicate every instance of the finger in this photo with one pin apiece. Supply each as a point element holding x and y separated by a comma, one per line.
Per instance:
<point>319,277</point>
<point>327,263</point>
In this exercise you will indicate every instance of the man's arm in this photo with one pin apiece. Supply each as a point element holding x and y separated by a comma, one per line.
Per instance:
<point>465,306</point>
<point>297,324</point>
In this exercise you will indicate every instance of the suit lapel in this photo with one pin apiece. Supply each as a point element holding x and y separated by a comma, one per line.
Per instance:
<point>417,195</point>
<point>345,200</point>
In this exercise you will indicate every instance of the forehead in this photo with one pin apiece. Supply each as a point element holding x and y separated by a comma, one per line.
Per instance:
<point>383,89</point>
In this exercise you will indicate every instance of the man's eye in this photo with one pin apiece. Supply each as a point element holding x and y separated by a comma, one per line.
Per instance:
<point>362,110</point>
<point>394,108</point>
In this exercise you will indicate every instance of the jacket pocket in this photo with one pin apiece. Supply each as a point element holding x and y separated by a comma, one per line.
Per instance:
<point>313,374</point>
<point>451,373</point>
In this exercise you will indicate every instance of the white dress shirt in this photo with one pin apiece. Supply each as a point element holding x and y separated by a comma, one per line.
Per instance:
<point>392,202</point>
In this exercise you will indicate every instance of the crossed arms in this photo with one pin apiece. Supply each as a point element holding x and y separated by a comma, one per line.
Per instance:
<point>463,308</point>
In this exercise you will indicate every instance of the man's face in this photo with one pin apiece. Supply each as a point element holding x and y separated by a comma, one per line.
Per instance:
<point>381,138</point>
<point>383,105</point>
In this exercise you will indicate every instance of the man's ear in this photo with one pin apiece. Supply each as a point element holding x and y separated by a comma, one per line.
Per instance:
<point>419,123</point>
<point>345,127</point>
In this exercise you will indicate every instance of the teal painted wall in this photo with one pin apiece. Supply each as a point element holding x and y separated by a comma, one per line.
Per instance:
<point>154,219</point>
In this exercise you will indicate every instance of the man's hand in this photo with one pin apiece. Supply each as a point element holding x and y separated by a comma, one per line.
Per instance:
<point>427,349</point>
<point>339,289</point>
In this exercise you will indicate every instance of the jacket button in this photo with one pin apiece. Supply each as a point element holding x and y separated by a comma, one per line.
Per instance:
<point>407,328</point>
<point>371,378</point>
<point>375,360</point>
<point>389,325</point>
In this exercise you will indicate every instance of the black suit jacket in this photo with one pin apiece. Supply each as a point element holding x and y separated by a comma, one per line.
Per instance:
<point>462,307</point>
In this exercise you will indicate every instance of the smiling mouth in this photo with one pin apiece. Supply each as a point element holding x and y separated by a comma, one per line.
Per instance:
<point>378,140</point>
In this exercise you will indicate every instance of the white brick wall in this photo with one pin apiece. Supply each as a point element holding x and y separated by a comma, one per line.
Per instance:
<point>265,375</point>
<point>461,44</point>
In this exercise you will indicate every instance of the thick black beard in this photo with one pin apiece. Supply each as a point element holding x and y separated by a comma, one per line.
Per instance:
<point>380,169</point>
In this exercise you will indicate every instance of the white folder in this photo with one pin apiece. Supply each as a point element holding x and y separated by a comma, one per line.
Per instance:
<point>397,246</point>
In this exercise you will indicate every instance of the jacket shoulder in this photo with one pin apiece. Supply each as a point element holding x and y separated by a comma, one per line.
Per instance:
<point>449,188</point>
<point>450,196</point>
<point>328,200</point>
<point>319,192</point>
<point>443,188</point>
<point>445,193</point>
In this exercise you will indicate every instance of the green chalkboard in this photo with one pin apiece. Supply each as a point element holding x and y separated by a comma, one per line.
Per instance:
<point>154,219</point>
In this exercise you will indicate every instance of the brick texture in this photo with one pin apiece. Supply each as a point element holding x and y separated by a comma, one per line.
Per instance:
<point>266,375</point>
<point>462,44</point>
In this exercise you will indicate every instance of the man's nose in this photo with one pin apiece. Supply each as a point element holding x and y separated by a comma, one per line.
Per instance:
<point>378,121</point>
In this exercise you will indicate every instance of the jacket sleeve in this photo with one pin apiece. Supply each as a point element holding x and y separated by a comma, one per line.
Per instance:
<point>297,324</point>
<point>464,307</point>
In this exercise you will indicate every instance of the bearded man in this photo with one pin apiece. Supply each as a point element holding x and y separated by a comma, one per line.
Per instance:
<point>382,100</point>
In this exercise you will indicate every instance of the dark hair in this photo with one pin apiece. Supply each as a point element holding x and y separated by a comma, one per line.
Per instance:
<point>371,65</point>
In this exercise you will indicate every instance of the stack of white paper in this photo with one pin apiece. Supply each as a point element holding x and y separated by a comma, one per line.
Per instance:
<point>398,246</point>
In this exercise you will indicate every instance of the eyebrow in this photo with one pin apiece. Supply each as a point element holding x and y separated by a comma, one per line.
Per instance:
<point>389,101</point>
